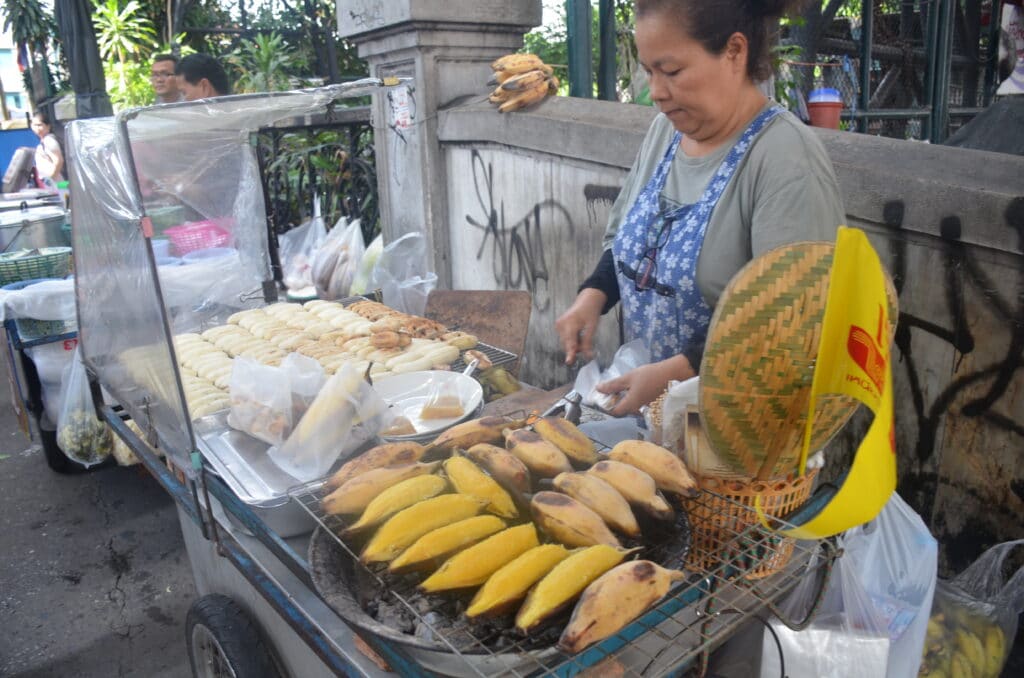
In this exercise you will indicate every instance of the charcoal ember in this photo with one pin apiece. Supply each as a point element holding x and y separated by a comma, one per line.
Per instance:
<point>425,629</point>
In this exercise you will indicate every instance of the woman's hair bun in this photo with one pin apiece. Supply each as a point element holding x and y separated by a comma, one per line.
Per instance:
<point>774,8</point>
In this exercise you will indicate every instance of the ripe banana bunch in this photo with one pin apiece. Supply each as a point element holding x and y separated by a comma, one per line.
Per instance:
<point>522,80</point>
<point>615,599</point>
<point>961,644</point>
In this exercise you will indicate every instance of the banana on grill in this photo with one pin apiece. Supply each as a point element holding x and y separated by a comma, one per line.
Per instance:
<point>509,585</point>
<point>564,435</point>
<point>502,465</point>
<point>564,583</point>
<point>445,541</point>
<point>601,498</point>
<point>467,478</point>
<point>541,457</point>
<point>568,521</point>
<point>613,600</point>
<point>469,433</point>
<point>397,497</point>
<point>476,564</point>
<point>388,454</point>
<point>668,470</point>
<point>402,530</point>
<point>636,486</point>
<point>355,495</point>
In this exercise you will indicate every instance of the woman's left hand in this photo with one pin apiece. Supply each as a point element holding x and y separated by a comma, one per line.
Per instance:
<point>643,385</point>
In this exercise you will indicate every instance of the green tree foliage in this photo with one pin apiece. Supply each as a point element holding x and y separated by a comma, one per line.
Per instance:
<point>125,37</point>
<point>32,25</point>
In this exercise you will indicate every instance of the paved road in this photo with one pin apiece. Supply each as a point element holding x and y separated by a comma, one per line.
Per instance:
<point>94,578</point>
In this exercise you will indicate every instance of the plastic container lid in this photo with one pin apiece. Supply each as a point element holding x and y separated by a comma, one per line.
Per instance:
<point>825,95</point>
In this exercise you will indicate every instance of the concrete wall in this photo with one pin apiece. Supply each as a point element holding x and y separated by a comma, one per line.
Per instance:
<point>528,196</point>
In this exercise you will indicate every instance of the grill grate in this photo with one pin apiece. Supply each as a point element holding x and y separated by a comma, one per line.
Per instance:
<point>696,616</point>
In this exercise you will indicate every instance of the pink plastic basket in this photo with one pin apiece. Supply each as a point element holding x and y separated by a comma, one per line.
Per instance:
<point>197,235</point>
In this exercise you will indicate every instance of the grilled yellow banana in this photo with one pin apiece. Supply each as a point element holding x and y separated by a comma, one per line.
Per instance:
<point>635,485</point>
<point>525,98</point>
<point>397,497</point>
<point>601,498</point>
<point>355,495</point>
<point>476,564</point>
<point>500,95</point>
<point>509,585</point>
<point>553,84</point>
<point>502,465</point>
<point>616,598</point>
<point>403,529</point>
<point>564,435</point>
<point>568,521</point>
<point>441,543</point>
<point>540,456</point>
<point>388,454</point>
<point>517,63</point>
<point>565,582</point>
<point>467,478</point>
<point>668,470</point>
<point>469,433</point>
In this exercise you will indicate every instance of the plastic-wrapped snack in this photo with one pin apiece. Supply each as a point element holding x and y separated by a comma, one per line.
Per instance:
<point>443,402</point>
<point>261,401</point>
<point>80,435</point>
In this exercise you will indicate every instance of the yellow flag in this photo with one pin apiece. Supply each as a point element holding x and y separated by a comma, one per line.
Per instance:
<point>854,359</point>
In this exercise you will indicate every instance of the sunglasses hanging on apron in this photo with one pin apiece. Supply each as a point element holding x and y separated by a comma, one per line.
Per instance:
<point>656,254</point>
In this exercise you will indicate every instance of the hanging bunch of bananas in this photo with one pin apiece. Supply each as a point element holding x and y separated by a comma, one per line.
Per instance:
<point>522,80</point>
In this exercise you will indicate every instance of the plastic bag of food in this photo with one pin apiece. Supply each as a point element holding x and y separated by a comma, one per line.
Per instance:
<point>305,379</point>
<point>80,434</point>
<point>261,401</point>
<point>974,618</point>
<point>361,283</point>
<point>297,249</point>
<point>338,260</point>
<point>443,401</point>
<point>402,276</point>
<point>872,620</point>
<point>346,414</point>
<point>630,356</point>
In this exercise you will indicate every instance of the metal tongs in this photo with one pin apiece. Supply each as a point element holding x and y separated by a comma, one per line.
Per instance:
<point>568,405</point>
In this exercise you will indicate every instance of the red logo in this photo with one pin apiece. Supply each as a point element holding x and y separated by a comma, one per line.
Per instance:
<point>866,350</point>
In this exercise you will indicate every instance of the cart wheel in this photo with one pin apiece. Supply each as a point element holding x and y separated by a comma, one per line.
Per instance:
<point>224,642</point>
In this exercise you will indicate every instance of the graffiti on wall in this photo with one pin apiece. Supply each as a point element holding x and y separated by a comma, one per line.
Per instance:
<point>515,247</point>
<point>961,271</point>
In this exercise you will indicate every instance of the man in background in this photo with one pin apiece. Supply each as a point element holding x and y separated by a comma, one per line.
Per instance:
<point>200,76</point>
<point>163,79</point>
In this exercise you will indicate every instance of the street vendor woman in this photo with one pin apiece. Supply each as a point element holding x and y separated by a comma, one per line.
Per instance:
<point>723,175</point>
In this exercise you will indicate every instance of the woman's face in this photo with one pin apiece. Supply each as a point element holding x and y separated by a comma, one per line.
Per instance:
<point>696,90</point>
<point>40,128</point>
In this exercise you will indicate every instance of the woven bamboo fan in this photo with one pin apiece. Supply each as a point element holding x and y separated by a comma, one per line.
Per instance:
<point>755,377</point>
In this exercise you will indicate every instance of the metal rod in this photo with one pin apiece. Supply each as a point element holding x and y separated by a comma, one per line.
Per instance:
<point>867,26</point>
<point>931,34</point>
<point>606,65</point>
<point>944,45</point>
<point>581,71</point>
<point>992,57</point>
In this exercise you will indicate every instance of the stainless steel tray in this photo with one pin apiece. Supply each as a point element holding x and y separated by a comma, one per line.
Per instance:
<point>242,462</point>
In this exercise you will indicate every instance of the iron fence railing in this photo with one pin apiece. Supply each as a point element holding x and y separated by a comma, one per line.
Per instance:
<point>330,157</point>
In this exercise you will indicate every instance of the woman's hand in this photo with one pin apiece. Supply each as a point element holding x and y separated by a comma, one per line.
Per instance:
<point>643,385</point>
<point>577,325</point>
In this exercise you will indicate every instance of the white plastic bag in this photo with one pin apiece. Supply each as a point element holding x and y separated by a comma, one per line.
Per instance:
<point>80,434</point>
<point>261,401</point>
<point>346,414</point>
<point>875,610</point>
<point>338,259</point>
<point>630,356</point>
<point>361,283</point>
<point>305,379</point>
<point>47,300</point>
<point>297,248</point>
<point>402,276</point>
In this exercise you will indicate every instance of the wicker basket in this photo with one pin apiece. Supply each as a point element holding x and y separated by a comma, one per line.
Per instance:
<point>48,262</point>
<point>723,520</point>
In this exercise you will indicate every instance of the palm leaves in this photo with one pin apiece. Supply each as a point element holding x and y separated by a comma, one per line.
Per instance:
<point>122,32</point>
<point>264,64</point>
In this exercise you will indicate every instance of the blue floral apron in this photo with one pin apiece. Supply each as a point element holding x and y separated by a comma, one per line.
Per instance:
<point>656,256</point>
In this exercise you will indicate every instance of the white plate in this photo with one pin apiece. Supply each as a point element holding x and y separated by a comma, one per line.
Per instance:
<point>408,393</point>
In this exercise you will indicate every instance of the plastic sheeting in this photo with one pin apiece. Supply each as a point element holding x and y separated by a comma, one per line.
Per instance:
<point>196,156</point>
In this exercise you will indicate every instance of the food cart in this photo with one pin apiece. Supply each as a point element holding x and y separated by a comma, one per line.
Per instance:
<point>281,592</point>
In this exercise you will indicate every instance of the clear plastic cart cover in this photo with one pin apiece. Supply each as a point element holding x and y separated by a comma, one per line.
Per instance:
<point>190,170</point>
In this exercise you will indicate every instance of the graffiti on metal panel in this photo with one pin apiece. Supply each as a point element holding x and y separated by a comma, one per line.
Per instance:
<point>961,271</point>
<point>515,247</point>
